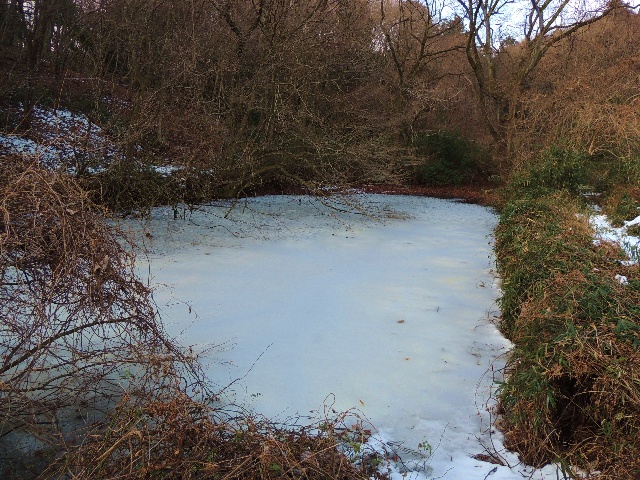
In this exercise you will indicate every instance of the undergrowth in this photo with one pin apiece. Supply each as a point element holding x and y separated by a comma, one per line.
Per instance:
<point>172,436</point>
<point>622,204</point>
<point>557,169</point>
<point>449,159</point>
<point>135,188</point>
<point>573,388</point>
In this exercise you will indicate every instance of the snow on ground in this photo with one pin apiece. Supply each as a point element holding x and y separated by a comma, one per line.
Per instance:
<point>307,310</point>
<point>608,233</point>
<point>64,140</point>
<point>67,141</point>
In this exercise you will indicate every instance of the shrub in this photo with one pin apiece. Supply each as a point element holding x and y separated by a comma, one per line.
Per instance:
<point>452,160</point>
<point>558,168</point>
<point>78,329</point>
<point>128,187</point>
<point>174,437</point>
<point>626,168</point>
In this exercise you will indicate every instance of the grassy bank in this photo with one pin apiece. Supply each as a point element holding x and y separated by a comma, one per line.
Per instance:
<point>573,388</point>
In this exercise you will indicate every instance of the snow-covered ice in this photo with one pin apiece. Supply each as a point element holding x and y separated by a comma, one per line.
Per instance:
<point>387,307</point>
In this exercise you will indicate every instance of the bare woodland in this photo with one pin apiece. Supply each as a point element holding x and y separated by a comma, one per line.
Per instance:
<point>250,96</point>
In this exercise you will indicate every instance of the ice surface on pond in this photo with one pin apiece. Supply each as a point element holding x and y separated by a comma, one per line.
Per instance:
<point>385,305</point>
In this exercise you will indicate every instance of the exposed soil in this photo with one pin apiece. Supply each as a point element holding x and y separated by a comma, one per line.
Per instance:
<point>480,194</point>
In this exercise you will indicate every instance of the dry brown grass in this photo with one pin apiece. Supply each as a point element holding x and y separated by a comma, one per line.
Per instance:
<point>179,438</point>
<point>573,389</point>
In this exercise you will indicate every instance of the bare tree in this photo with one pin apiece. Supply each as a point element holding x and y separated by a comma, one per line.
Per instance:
<point>411,30</point>
<point>35,33</point>
<point>583,91</point>
<point>259,92</point>
<point>500,82</point>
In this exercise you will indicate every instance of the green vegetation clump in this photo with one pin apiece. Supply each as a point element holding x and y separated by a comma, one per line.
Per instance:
<point>537,238</point>
<point>557,169</point>
<point>572,392</point>
<point>451,159</point>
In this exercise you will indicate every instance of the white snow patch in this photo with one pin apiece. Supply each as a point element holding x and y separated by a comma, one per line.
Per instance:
<point>604,231</point>
<point>67,141</point>
<point>15,144</point>
<point>630,223</point>
<point>166,170</point>
<point>622,279</point>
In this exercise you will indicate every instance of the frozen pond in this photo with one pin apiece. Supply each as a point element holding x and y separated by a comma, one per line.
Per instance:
<point>310,308</point>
